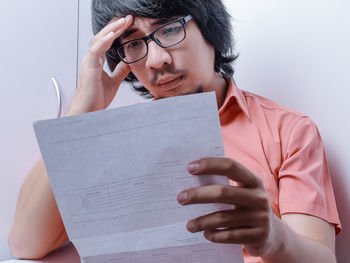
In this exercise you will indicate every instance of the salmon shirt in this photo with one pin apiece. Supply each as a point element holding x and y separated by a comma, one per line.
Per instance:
<point>282,147</point>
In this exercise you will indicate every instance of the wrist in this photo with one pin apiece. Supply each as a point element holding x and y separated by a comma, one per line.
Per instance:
<point>74,110</point>
<point>79,107</point>
<point>282,240</point>
<point>274,242</point>
<point>278,238</point>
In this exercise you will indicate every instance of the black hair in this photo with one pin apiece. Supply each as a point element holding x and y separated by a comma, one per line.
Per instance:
<point>211,17</point>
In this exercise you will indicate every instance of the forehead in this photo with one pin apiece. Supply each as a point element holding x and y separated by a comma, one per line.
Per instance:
<point>140,22</point>
<point>144,25</point>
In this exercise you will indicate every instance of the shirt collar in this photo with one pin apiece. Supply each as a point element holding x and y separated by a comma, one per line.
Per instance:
<point>234,94</point>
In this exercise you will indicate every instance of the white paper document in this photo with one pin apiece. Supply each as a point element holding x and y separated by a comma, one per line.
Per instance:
<point>116,175</point>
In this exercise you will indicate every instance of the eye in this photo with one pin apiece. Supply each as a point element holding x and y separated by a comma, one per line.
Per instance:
<point>134,44</point>
<point>172,30</point>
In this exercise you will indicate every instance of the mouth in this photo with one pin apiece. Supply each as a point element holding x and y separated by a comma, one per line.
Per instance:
<point>169,83</point>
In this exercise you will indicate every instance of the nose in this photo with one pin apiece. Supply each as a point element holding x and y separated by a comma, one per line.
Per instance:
<point>157,56</point>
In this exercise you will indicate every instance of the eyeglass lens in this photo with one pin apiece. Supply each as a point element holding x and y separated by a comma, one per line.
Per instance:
<point>165,36</point>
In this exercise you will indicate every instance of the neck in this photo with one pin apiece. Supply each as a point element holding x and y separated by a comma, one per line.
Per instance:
<point>220,86</point>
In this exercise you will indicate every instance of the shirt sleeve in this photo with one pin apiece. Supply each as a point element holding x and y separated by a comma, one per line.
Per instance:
<point>304,181</point>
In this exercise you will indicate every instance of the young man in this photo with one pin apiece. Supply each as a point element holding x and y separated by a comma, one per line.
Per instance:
<point>284,208</point>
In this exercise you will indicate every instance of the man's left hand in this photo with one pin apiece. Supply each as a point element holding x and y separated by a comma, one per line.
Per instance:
<point>250,221</point>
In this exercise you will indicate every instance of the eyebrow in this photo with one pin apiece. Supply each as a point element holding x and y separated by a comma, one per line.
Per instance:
<point>163,20</point>
<point>128,33</point>
<point>159,21</point>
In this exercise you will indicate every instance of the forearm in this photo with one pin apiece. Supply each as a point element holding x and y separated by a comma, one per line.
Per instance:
<point>37,228</point>
<point>290,247</point>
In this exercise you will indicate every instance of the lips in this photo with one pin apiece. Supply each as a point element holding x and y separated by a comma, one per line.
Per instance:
<point>169,83</point>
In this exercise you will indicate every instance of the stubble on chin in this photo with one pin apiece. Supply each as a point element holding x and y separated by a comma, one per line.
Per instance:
<point>196,90</point>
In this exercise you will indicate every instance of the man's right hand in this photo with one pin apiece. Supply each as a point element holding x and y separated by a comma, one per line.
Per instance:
<point>96,89</point>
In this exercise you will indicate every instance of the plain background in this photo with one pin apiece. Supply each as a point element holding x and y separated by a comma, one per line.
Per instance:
<point>294,52</point>
<point>38,40</point>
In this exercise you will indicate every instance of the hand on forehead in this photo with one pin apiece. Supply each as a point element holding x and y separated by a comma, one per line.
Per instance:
<point>118,18</point>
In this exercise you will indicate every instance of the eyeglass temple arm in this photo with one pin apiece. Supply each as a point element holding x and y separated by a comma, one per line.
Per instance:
<point>187,18</point>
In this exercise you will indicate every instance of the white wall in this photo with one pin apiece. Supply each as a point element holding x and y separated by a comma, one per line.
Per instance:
<point>298,54</point>
<point>38,40</point>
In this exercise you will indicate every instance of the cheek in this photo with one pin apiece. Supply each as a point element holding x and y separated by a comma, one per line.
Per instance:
<point>201,54</point>
<point>201,60</point>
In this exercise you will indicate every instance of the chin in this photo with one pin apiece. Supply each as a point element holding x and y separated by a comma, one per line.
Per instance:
<point>194,90</point>
<point>179,91</point>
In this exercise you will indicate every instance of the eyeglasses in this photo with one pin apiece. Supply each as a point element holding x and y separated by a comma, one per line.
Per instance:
<point>167,35</point>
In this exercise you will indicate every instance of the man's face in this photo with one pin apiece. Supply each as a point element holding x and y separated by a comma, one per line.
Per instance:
<point>185,68</point>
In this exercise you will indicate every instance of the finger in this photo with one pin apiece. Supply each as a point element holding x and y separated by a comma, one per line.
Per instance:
<point>225,194</point>
<point>113,81</point>
<point>109,28</point>
<point>236,236</point>
<point>114,26</point>
<point>101,44</point>
<point>227,167</point>
<point>234,218</point>
<point>121,71</point>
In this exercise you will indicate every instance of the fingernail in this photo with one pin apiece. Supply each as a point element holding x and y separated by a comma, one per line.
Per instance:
<point>190,226</point>
<point>182,197</point>
<point>128,17</point>
<point>193,167</point>
<point>118,20</point>
<point>110,34</point>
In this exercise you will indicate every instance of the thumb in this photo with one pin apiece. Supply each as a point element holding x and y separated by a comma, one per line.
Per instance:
<point>112,82</point>
<point>120,72</point>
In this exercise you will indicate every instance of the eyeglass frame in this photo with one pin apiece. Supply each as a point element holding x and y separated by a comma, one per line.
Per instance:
<point>145,39</point>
